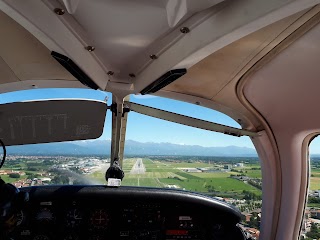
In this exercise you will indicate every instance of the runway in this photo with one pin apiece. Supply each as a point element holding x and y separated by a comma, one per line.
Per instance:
<point>138,167</point>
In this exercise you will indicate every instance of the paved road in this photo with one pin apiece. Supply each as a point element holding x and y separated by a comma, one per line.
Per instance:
<point>138,167</point>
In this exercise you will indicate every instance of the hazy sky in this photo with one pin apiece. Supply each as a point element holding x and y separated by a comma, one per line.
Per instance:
<point>147,129</point>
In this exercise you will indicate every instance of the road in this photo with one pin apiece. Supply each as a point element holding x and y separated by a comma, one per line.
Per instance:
<point>138,167</point>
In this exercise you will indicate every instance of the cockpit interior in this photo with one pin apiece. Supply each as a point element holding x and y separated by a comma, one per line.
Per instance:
<point>256,62</point>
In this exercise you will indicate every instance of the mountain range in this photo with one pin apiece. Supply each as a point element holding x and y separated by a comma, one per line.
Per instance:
<point>102,147</point>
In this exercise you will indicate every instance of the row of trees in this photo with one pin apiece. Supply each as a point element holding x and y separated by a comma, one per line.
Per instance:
<point>250,206</point>
<point>314,232</point>
<point>313,200</point>
<point>255,184</point>
<point>254,221</point>
<point>251,196</point>
<point>14,175</point>
<point>29,175</point>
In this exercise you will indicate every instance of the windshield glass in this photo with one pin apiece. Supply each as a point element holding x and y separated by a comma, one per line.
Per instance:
<point>157,154</point>
<point>309,229</point>
<point>163,154</point>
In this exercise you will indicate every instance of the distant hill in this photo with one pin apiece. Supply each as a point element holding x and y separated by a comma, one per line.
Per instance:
<point>99,147</point>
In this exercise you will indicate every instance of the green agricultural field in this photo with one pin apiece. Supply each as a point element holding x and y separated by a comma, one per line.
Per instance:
<point>189,165</point>
<point>314,183</point>
<point>315,174</point>
<point>213,174</point>
<point>153,175</point>
<point>147,162</point>
<point>253,173</point>
<point>155,166</point>
<point>128,164</point>
<point>146,182</point>
<point>98,177</point>
<point>170,174</point>
<point>315,170</point>
<point>130,182</point>
<point>314,205</point>
<point>150,182</point>
<point>8,179</point>
<point>186,175</point>
<point>158,169</point>
<point>219,184</point>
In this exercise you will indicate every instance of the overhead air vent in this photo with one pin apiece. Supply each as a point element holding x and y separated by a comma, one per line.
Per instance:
<point>72,68</point>
<point>164,80</point>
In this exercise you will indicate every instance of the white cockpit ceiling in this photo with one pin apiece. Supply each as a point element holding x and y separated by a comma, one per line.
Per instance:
<point>119,29</point>
<point>125,33</point>
<point>122,31</point>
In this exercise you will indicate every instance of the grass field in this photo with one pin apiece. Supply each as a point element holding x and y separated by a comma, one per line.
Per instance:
<point>314,183</point>
<point>171,174</point>
<point>253,173</point>
<point>314,205</point>
<point>7,179</point>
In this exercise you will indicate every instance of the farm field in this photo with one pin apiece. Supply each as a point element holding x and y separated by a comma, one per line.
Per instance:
<point>167,174</point>
<point>315,183</point>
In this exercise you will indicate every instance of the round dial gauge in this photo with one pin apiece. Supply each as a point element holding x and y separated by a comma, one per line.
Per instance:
<point>41,237</point>
<point>96,237</point>
<point>99,218</point>
<point>71,237</point>
<point>74,218</point>
<point>45,216</point>
<point>19,217</point>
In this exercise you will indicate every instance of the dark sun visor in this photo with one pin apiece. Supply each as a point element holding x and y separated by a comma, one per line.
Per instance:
<point>51,121</point>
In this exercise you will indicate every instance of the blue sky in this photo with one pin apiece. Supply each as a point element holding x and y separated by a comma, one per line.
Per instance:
<point>147,129</point>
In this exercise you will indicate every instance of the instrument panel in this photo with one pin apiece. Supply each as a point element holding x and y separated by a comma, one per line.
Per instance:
<point>122,214</point>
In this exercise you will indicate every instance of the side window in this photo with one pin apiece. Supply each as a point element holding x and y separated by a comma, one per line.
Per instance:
<point>311,221</point>
<point>163,154</point>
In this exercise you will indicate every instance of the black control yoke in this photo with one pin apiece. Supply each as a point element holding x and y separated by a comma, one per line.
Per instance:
<point>11,200</point>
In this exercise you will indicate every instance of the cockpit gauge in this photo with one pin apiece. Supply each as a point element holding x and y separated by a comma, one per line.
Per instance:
<point>74,218</point>
<point>99,218</point>
<point>71,236</point>
<point>19,217</point>
<point>41,237</point>
<point>217,229</point>
<point>96,237</point>
<point>45,216</point>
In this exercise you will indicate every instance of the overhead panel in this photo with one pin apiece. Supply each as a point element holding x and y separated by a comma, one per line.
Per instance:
<point>208,77</point>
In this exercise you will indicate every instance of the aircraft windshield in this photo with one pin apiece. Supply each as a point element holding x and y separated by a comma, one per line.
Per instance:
<point>157,154</point>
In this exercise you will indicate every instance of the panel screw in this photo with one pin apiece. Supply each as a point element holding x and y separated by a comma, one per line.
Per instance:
<point>110,73</point>
<point>90,48</point>
<point>132,75</point>
<point>184,30</point>
<point>153,56</point>
<point>59,11</point>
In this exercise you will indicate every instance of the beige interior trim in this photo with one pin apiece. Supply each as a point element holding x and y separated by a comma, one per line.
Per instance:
<point>204,79</point>
<point>23,57</point>
<point>276,161</point>
<point>305,181</point>
<point>281,45</point>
